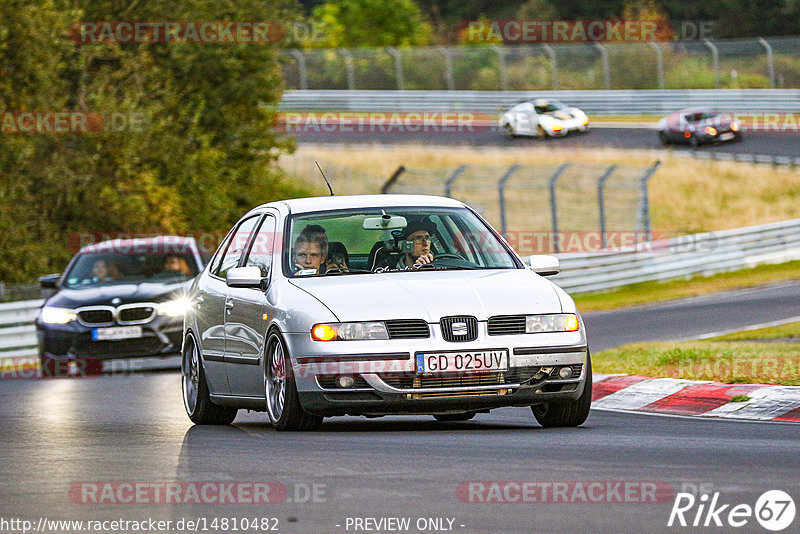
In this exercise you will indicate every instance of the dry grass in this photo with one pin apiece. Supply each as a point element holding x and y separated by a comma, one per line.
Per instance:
<point>686,195</point>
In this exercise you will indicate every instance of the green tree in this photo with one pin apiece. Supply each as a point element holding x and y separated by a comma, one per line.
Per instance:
<point>353,23</point>
<point>206,152</point>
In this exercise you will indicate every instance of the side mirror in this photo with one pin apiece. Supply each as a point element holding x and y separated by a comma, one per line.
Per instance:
<point>49,281</point>
<point>244,277</point>
<point>545,265</point>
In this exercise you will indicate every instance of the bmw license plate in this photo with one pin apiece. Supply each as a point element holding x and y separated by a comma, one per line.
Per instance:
<point>726,137</point>
<point>462,362</point>
<point>117,332</point>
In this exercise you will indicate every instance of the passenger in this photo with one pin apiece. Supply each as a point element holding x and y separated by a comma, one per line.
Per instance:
<point>176,265</point>
<point>337,259</point>
<point>105,271</point>
<point>420,233</point>
<point>311,248</point>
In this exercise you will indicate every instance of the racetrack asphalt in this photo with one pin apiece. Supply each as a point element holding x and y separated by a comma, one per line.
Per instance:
<point>785,144</point>
<point>56,434</point>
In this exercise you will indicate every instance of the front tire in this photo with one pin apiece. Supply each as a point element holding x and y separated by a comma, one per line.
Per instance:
<point>560,414</point>
<point>663,138</point>
<point>280,388</point>
<point>508,130</point>
<point>196,398</point>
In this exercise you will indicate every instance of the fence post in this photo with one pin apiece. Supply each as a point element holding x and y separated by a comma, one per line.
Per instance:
<point>714,61</point>
<point>646,200</point>
<point>501,192</point>
<point>501,67</point>
<point>601,202</point>
<point>770,61</point>
<point>453,177</point>
<point>554,207</point>
<point>392,180</point>
<point>398,67</point>
<point>351,72</point>
<point>448,66</point>
<point>606,72</point>
<point>551,54</point>
<point>659,63</point>
<point>301,67</point>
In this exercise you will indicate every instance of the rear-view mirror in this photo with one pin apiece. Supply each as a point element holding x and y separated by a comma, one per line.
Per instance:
<point>385,222</point>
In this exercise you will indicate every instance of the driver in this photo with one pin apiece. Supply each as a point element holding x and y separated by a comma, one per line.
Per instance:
<point>420,233</point>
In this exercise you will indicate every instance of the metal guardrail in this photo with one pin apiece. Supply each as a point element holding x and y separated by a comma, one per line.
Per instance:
<point>679,257</point>
<point>17,332</point>
<point>685,256</point>
<point>621,102</point>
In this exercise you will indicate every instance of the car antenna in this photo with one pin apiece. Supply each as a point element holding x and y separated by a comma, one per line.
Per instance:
<point>323,176</point>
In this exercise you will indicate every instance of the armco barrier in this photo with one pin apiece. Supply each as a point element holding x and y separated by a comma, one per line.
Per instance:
<point>619,102</point>
<point>17,333</point>
<point>679,257</point>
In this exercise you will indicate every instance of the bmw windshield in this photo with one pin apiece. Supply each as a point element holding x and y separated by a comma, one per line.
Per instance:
<point>371,240</point>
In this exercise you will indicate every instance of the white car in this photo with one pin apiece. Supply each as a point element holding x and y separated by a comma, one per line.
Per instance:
<point>543,118</point>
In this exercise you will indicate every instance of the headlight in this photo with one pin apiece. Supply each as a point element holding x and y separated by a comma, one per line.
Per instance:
<point>710,130</point>
<point>52,315</point>
<point>174,308</point>
<point>585,121</point>
<point>349,331</point>
<point>734,126</point>
<point>556,127</point>
<point>560,322</point>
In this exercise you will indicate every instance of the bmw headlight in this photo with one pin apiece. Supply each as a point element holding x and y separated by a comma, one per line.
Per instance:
<point>557,322</point>
<point>53,315</point>
<point>174,308</point>
<point>349,331</point>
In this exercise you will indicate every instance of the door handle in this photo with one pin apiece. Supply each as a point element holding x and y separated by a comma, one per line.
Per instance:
<point>200,298</point>
<point>228,305</point>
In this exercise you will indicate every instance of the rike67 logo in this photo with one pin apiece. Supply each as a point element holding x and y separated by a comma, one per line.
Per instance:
<point>774,510</point>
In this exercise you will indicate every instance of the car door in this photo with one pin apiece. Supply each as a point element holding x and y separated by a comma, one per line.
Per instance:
<point>526,119</point>
<point>211,301</point>
<point>245,319</point>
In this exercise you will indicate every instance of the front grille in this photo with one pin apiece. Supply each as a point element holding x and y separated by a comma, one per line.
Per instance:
<point>96,317</point>
<point>444,381</point>
<point>329,382</point>
<point>506,325</point>
<point>407,328</point>
<point>135,315</point>
<point>470,333</point>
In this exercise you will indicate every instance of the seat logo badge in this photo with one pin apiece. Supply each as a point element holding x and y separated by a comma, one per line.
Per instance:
<point>116,300</point>
<point>459,329</point>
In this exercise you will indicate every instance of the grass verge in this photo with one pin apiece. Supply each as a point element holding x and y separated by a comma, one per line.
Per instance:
<point>652,292</point>
<point>733,359</point>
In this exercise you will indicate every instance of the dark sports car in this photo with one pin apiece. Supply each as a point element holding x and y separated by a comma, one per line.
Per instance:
<point>116,299</point>
<point>697,127</point>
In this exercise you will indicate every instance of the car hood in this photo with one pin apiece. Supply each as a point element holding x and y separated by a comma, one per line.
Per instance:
<point>126,293</point>
<point>431,295</point>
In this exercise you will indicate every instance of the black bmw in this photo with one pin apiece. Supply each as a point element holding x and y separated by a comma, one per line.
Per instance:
<point>117,299</point>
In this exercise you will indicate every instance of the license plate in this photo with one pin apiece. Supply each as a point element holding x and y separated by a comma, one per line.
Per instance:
<point>726,137</point>
<point>120,332</point>
<point>455,362</point>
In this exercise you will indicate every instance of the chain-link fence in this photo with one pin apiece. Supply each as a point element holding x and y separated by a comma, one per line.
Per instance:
<point>739,63</point>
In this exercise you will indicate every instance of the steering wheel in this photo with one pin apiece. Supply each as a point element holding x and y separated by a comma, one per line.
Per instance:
<point>445,255</point>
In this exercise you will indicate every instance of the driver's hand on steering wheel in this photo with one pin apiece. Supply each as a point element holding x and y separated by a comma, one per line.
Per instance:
<point>423,260</point>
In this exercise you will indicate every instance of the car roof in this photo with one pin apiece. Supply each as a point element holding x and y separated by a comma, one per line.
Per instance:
<point>311,204</point>
<point>164,243</point>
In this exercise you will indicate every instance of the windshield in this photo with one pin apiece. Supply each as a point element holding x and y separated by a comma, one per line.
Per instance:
<point>358,242</point>
<point>549,107</point>
<point>96,269</point>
